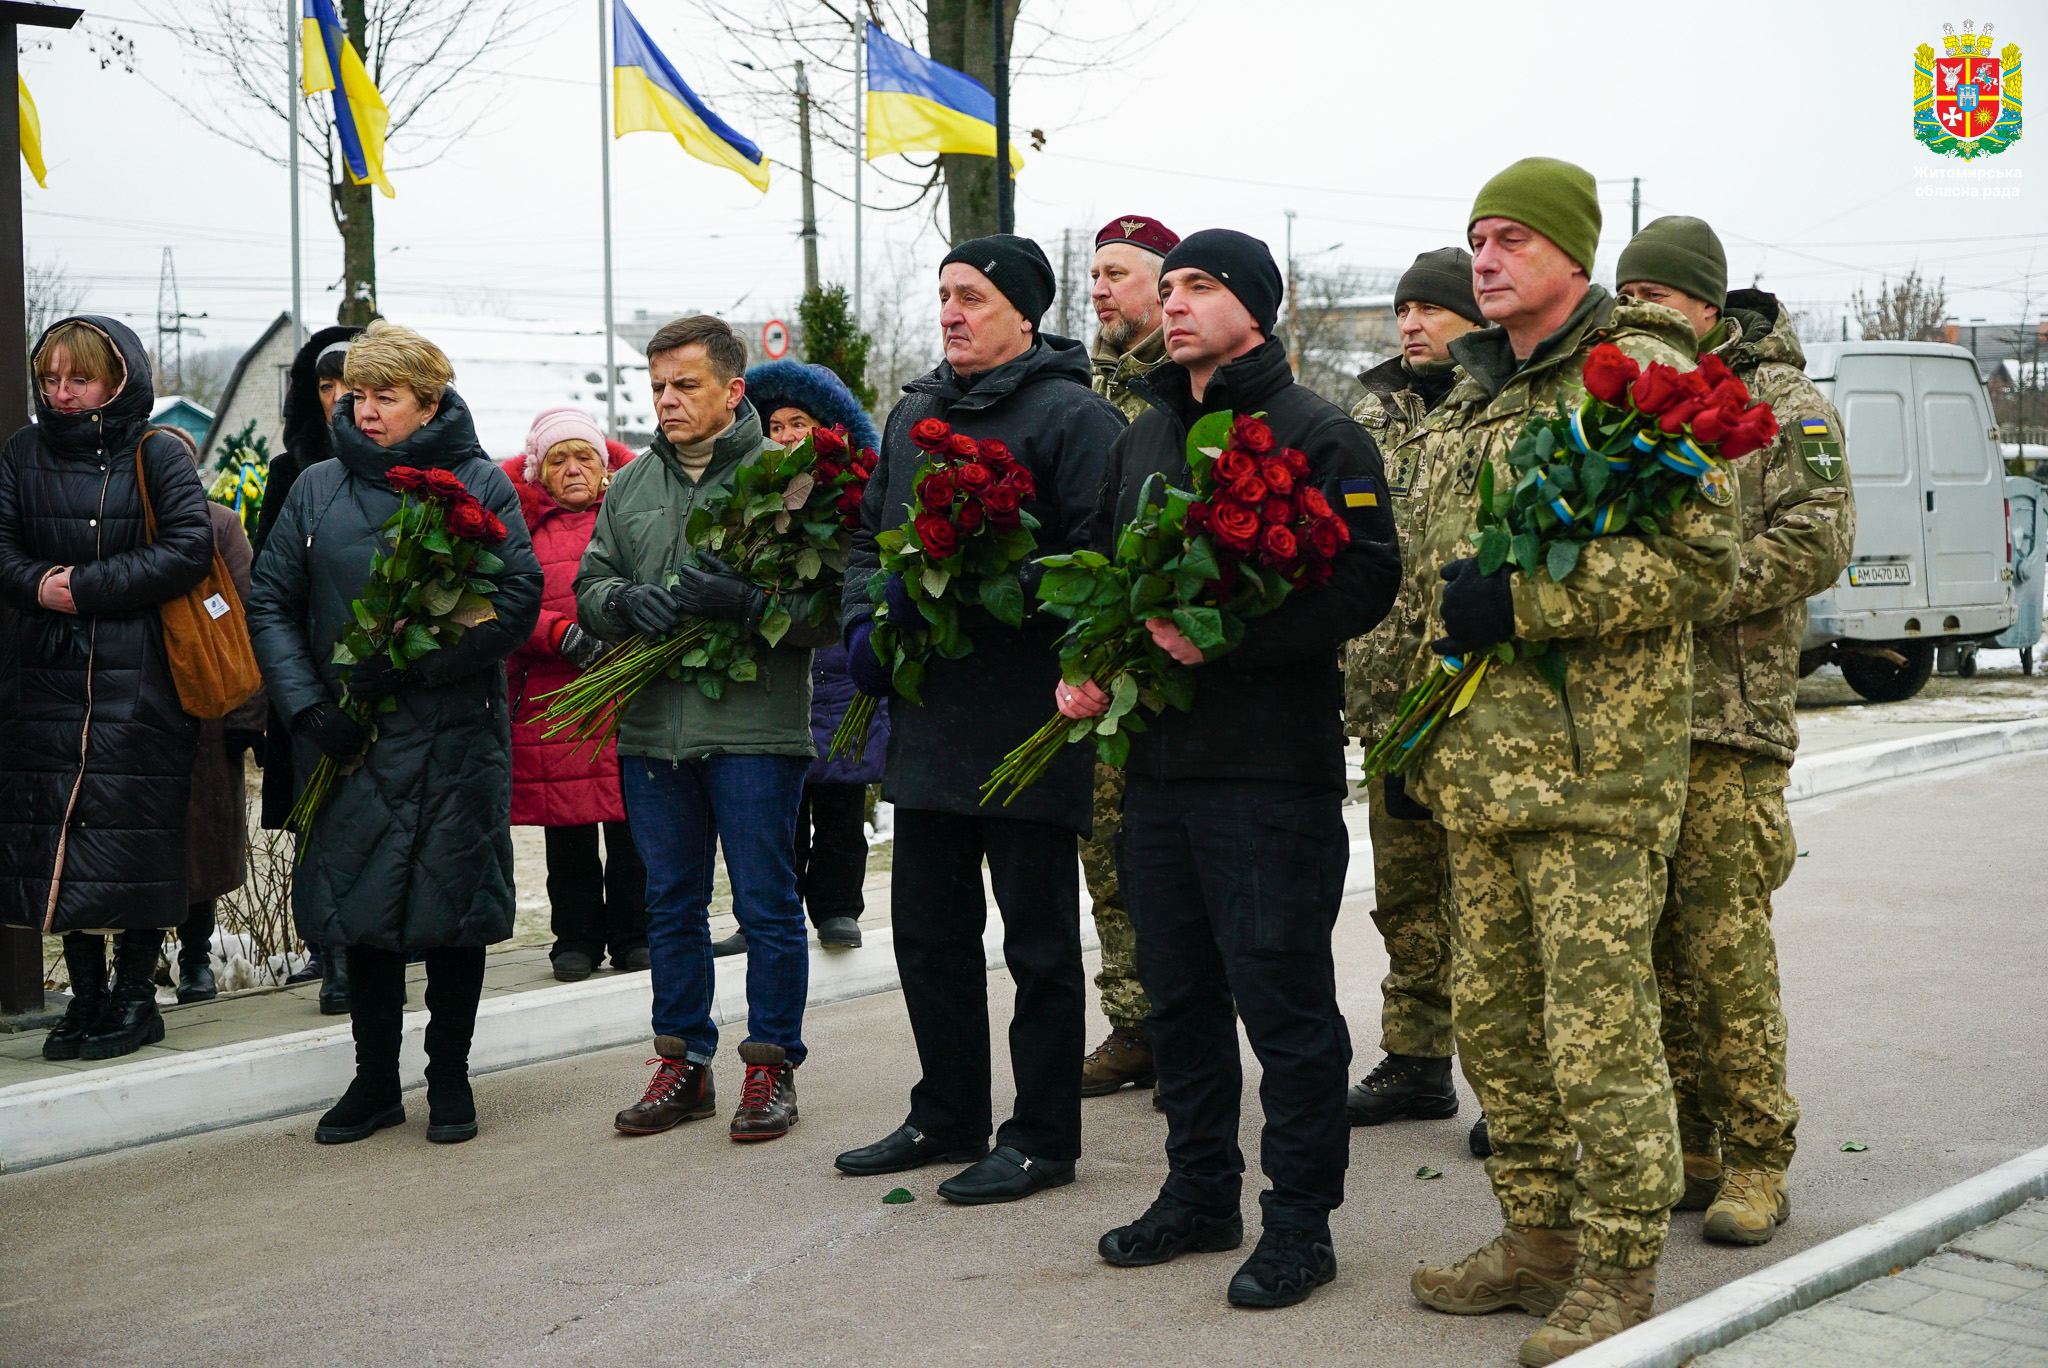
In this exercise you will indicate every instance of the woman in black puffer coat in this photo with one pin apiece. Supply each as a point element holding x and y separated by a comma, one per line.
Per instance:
<point>95,752</point>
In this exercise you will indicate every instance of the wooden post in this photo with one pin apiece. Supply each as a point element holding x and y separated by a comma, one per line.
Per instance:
<point>21,949</point>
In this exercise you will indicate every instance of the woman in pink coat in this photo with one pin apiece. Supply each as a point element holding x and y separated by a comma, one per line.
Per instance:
<point>595,904</point>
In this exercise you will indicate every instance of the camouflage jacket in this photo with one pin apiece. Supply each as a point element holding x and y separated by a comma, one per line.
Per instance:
<point>1114,371</point>
<point>1373,664</point>
<point>1609,756</point>
<point>1798,525</point>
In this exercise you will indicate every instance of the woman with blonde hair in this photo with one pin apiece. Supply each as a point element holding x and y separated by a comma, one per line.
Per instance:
<point>411,853</point>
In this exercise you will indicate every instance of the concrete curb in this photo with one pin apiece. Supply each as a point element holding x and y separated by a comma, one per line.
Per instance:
<point>1871,1251</point>
<point>93,1112</point>
<point>1854,766</point>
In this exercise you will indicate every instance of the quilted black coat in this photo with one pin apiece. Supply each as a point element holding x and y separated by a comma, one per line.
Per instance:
<point>95,684</point>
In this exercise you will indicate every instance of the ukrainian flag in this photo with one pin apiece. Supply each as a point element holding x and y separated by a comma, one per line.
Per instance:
<point>31,132</point>
<point>916,105</point>
<point>649,97</point>
<point>1813,427</point>
<point>359,114</point>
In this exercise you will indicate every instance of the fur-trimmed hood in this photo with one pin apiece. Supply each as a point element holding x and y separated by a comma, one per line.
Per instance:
<point>815,390</point>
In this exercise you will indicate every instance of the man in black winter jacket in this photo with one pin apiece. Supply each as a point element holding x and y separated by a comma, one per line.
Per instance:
<point>1000,379</point>
<point>1234,843</point>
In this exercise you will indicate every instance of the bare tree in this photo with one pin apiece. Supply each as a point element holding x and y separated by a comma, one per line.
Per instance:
<point>428,59</point>
<point>1338,333</point>
<point>51,296</point>
<point>201,375</point>
<point>1910,311</point>
<point>902,325</point>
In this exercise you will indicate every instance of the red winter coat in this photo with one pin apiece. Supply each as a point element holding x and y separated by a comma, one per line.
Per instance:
<point>555,783</point>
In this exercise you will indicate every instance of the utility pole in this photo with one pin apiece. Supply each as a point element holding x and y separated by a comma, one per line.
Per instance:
<point>810,235</point>
<point>292,33</point>
<point>860,147</point>
<point>1006,191</point>
<point>604,161</point>
<point>1635,205</point>
<point>170,326</point>
<point>1293,333</point>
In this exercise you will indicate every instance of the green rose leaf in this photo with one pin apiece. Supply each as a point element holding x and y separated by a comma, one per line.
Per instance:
<point>1114,749</point>
<point>418,641</point>
<point>742,671</point>
<point>1524,549</point>
<point>1201,626</point>
<point>935,578</point>
<point>1562,559</point>
<point>1003,596</point>
<point>711,685</point>
<point>342,654</point>
<point>1493,549</point>
<point>897,1196</point>
<point>775,624</point>
<point>487,563</point>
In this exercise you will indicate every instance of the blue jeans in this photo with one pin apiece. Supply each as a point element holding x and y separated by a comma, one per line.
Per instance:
<point>680,813</point>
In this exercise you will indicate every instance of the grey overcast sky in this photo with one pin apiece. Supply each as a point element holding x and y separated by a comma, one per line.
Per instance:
<point>1787,125</point>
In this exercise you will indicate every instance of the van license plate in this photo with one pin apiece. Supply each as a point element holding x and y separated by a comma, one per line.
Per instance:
<point>1861,576</point>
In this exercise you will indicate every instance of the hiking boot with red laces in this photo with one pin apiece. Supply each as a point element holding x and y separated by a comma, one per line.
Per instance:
<point>679,1091</point>
<point>768,1100</point>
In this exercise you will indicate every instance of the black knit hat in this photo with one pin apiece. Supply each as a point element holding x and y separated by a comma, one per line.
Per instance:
<point>1242,262</point>
<point>1442,278</point>
<point>1016,266</point>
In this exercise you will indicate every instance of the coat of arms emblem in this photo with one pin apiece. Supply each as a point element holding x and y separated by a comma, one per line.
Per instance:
<point>1966,102</point>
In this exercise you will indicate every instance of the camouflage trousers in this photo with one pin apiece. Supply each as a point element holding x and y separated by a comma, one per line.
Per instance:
<point>1123,1001</point>
<point>1555,1007</point>
<point>1410,902</point>
<point>1717,962</point>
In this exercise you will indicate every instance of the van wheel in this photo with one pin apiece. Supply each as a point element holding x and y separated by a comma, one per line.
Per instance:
<point>1966,664</point>
<point>2027,660</point>
<point>1880,681</point>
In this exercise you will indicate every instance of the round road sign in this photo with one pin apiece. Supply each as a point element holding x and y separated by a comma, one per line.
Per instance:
<point>775,339</point>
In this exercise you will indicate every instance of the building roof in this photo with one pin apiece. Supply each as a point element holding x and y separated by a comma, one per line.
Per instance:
<point>227,394</point>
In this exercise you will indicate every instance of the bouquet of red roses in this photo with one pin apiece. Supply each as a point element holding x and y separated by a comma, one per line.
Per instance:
<point>1248,533</point>
<point>422,594</point>
<point>1642,443</point>
<point>968,532</point>
<point>785,523</point>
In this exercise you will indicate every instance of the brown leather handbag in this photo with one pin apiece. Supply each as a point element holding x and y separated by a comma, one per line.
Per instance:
<point>206,634</point>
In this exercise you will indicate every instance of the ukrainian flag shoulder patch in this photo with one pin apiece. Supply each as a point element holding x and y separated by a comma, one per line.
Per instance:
<point>1363,493</point>
<point>1814,427</point>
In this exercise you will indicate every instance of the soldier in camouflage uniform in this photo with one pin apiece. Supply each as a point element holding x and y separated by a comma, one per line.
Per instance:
<point>1561,812</point>
<point>1717,964</point>
<point>1128,343</point>
<point>1433,303</point>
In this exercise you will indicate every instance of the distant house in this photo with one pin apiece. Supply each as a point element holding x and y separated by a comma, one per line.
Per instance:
<point>176,411</point>
<point>256,390</point>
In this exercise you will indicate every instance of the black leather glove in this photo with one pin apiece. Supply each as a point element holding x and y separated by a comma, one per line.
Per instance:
<point>1478,610</point>
<point>648,609</point>
<point>239,739</point>
<point>376,678</point>
<point>339,736</point>
<point>580,648</point>
<point>719,592</point>
<point>1400,806</point>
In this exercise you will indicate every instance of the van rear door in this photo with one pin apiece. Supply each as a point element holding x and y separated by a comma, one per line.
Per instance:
<point>1962,488</point>
<point>1874,394</point>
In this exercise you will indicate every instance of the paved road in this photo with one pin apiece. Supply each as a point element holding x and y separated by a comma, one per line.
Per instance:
<point>1915,951</point>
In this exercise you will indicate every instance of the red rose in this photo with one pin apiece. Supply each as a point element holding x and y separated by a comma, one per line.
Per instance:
<point>1277,476</point>
<point>1252,435</point>
<point>1756,429</point>
<point>1714,370</point>
<point>1313,504</point>
<point>935,491</point>
<point>1729,394</point>
<point>1714,424</point>
<point>1657,389</point>
<point>974,477</point>
<point>930,434</point>
<point>970,515</point>
<point>405,477</point>
<point>1326,536</point>
<point>1317,575</point>
<point>995,452</point>
<point>443,484</point>
<point>1249,490</point>
<point>466,520</point>
<point>849,502</point>
<point>1278,545</point>
<point>1277,511</point>
<point>938,535</point>
<point>1002,505</point>
<point>1196,520</point>
<point>1019,482</point>
<point>1236,526</point>
<point>829,441</point>
<point>960,444</point>
<point>1297,464</point>
<point>864,468</point>
<point>494,528</point>
<point>1234,465</point>
<point>1609,373</point>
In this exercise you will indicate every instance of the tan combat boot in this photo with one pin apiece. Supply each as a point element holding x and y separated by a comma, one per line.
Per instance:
<point>1751,1207</point>
<point>1702,1183</point>
<point>1602,1303</point>
<point>1526,1266</point>
<point>1125,1057</point>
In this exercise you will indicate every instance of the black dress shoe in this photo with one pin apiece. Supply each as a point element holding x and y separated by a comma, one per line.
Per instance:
<point>1284,1269</point>
<point>839,933</point>
<point>1403,1087</point>
<point>1007,1175</point>
<point>1168,1229</point>
<point>903,1149</point>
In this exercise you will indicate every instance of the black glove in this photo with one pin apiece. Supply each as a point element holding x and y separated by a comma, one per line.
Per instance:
<point>869,674</point>
<point>376,678</point>
<point>648,609</point>
<point>719,592</point>
<point>339,736</point>
<point>1478,610</point>
<point>1400,806</point>
<point>580,648</point>
<point>241,739</point>
<point>902,608</point>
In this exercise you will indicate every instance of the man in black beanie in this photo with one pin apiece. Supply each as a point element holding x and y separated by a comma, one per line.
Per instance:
<point>1433,303</point>
<point>999,380</point>
<point>1234,844</point>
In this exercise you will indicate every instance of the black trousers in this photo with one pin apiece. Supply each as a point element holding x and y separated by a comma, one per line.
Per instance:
<point>1232,888</point>
<point>938,911</point>
<point>832,850</point>
<point>596,903</point>
<point>195,933</point>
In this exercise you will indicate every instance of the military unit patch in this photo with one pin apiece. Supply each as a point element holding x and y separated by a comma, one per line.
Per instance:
<point>1717,487</point>
<point>1823,458</point>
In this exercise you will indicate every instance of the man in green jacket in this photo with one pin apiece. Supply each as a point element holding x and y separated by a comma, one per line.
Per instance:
<point>703,766</point>
<point>1124,288</point>
<point>1561,810</point>
<point>1717,962</point>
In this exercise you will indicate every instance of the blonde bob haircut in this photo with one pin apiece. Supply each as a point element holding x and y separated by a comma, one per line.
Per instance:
<point>87,351</point>
<point>387,356</point>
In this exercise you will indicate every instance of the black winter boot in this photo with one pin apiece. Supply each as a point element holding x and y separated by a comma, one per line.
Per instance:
<point>86,957</point>
<point>131,1019</point>
<point>455,984</point>
<point>334,1000</point>
<point>1403,1087</point>
<point>195,955</point>
<point>377,1015</point>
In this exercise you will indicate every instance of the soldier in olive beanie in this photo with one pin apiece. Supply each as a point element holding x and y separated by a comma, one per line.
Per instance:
<point>1680,253</point>
<point>1442,278</point>
<point>1554,197</point>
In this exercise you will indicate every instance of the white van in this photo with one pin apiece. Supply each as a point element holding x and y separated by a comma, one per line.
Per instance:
<point>1930,567</point>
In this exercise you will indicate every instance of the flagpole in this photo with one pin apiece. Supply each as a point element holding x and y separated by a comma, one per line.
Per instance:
<point>604,143</point>
<point>860,151</point>
<point>292,29</point>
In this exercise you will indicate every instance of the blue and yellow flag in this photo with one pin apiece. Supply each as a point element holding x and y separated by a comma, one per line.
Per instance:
<point>916,105</point>
<point>359,114</point>
<point>649,97</point>
<point>31,132</point>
